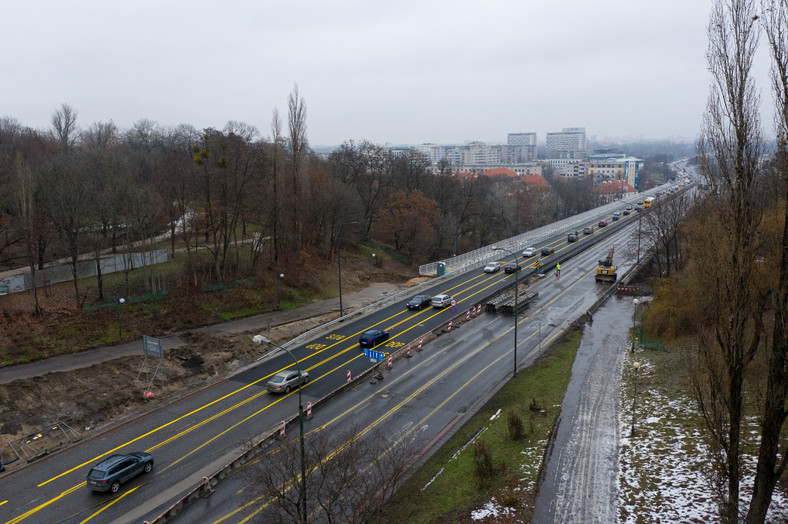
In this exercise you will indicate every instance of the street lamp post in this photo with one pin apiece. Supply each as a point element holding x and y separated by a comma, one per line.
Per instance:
<point>640,216</point>
<point>539,369</point>
<point>634,322</point>
<point>339,259</point>
<point>636,366</point>
<point>260,339</point>
<point>516,295</point>
<point>121,301</point>
<point>278,279</point>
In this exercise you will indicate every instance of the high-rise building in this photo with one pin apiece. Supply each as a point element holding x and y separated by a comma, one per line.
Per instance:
<point>521,147</point>
<point>569,143</point>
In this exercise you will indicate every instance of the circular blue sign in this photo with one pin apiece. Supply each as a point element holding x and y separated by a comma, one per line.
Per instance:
<point>453,309</point>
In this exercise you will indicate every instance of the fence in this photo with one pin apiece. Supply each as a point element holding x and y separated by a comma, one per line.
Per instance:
<point>484,254</point>
<point>85,268</point>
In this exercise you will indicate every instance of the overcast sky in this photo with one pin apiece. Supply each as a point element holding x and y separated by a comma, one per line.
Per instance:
<point>389,72</point>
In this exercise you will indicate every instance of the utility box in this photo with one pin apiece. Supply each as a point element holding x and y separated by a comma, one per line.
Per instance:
<point>441,269</point>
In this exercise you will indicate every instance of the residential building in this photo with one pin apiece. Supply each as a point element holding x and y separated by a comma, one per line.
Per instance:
<point>612,191</point>
<point>568,144</point>
<point>521,147</point>
<point>619,167</point>
<point>568,167</point>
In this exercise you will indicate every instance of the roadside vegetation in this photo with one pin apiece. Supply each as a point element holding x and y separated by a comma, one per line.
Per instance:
<point>63,330</point>
<point>494,460</point>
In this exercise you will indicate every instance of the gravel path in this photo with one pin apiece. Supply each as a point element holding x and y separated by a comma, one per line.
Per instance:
<point>581,474</point>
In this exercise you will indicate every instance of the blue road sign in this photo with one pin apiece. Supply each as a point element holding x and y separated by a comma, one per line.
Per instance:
<point>453,309</point>
<point>375,355</point>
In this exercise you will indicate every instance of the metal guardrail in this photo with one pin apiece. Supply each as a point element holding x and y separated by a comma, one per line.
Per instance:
<point>485,254</point>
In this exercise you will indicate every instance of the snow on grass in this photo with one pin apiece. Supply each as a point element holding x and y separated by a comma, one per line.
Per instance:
<point>491,509</point>
<point>664,468</point>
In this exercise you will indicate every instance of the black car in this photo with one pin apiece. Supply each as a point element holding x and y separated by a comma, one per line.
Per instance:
<point>419,302</point>
<point>546,251</point>
<point>372,337</point>
<point>111,472</point>
<point>512,268</point>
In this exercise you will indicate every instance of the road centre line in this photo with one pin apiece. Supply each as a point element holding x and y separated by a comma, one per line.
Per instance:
<point>129,492</point>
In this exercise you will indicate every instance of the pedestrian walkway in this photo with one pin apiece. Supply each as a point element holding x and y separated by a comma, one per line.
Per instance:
<point>351,301</point>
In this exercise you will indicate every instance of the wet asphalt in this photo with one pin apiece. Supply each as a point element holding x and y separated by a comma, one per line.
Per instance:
<point>581,473</point>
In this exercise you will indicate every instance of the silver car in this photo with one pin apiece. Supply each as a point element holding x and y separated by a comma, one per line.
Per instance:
<point>441,301</point>
<point>286,380</point>
<point>492,267</point>
<point>529,252</point>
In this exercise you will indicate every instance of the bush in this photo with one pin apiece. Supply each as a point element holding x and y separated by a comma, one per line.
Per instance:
<point>483,468</point>
<point>516,428</point>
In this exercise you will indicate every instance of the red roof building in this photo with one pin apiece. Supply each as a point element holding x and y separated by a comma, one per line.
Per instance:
<point>615,190</point>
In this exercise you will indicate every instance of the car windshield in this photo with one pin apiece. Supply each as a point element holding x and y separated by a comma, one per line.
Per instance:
<point>277,379</point>
<point>419,298</point>
<point>370,333</point>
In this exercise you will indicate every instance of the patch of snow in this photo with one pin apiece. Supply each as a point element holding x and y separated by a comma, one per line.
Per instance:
<point>496,415</point>
<point>491,509</point>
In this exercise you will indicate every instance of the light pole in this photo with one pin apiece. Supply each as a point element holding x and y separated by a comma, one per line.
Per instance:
<point>278,279</point>
<point>260,339</point>
<point>640,216</point>
<point>372,262</point>
<point>516,295</point>
<point>121,301</point>
<point>339,259</point>
<point>539,369</point>
<point>634,321</point>
<point>636,366</point>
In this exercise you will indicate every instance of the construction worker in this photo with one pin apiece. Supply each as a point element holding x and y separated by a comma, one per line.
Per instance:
<point>558,270</point>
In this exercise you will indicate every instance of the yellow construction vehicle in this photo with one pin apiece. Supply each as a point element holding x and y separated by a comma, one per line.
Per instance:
<point>606,271</point>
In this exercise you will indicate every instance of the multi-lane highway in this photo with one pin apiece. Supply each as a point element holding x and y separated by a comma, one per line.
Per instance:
<point>198,435</point>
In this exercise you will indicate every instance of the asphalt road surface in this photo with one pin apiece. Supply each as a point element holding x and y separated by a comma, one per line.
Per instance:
<point>581,474</point>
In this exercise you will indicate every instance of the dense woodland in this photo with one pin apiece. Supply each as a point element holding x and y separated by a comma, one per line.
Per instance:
<point>73,190</point>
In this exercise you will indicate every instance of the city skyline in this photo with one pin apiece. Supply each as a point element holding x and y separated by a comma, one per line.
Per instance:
<point>412,73</point>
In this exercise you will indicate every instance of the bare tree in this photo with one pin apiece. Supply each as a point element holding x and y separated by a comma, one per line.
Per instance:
<point>770,465</point>
<point>25,198</point>
<point>730,147</point>
<point>349,476</point>
<point>66,198</point>
<point>64,127</point>
<point>296,120</point>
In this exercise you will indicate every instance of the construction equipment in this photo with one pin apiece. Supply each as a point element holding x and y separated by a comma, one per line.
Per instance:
<point>606,271</point>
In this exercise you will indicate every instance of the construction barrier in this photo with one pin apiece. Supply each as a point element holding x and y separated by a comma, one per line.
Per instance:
<point>308,410</point>
<point>206,487</point>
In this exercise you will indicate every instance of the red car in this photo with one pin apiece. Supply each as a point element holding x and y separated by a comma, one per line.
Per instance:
<point>602,223</point>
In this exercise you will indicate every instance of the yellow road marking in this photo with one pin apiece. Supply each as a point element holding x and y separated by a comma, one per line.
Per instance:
<point>129,492</point>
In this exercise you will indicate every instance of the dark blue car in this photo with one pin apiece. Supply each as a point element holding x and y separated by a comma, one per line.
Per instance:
<point>111,472</point>
<point>372,338</point>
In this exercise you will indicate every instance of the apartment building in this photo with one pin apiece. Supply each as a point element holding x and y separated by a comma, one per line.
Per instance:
<point>567,144</point>
<point>521,147</point>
